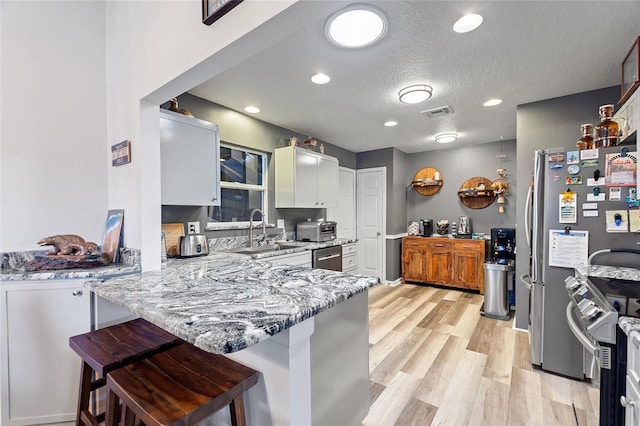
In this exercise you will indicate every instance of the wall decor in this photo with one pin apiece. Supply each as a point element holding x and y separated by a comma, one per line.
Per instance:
<point>476,193</point>
<point>113,234</point>
<point>630,72</point>
<point>212,10</point>
<point>121,153</point>
<point>427,181</point>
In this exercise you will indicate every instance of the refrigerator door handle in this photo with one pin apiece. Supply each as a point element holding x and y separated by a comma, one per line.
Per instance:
<point>527,216</point>
<point>526,280</point>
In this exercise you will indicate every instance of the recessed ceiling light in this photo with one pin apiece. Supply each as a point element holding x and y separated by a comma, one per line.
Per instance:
<point>357,25</point>
<point>467,23</point>
<point>252,109</point>
<point>415,94</point>
<point>446,137</point>
<point>320,78</point>
<point>391,123</point>
<point>492,102</point>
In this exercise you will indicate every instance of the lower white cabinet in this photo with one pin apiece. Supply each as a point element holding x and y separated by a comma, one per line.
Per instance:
<point>39,371</point>
<point>350,258</point>
<point>631,398</point>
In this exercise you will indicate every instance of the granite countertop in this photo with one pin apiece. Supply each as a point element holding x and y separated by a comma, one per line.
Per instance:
<point>226,302</point>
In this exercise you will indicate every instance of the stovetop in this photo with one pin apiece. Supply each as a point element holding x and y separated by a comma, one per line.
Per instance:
<point>616,287</point>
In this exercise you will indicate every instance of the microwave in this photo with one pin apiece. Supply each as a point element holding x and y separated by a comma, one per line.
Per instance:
<point>318,231</point>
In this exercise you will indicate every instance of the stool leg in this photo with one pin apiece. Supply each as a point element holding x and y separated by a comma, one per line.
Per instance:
<point>84,392</point>
<point>111,415</point>
<point>237,412</point>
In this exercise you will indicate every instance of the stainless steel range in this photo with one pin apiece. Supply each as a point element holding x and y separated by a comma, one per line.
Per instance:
<point>598,296</point>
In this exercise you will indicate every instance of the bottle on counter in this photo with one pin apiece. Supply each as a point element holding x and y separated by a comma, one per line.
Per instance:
<point>586,141</point>
<point>606,132</point>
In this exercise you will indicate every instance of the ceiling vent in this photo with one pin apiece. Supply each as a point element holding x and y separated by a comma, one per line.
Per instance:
<point>438,112</point>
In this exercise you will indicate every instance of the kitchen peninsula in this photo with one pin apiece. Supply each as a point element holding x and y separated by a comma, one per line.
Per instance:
<point>305,330</point>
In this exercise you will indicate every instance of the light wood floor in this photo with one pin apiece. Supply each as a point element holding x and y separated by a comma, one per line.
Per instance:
<point>434,360</point>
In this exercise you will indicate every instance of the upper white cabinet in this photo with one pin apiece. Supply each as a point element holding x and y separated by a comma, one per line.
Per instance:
<point>628,116</point>
<point>305,178</point>
<point>190,160</point>
<point>345,212</point>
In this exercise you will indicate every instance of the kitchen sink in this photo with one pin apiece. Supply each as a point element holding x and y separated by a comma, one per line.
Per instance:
<point>265,249</point>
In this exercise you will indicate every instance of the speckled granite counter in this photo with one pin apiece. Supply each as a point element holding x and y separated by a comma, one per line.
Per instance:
<point>12,267</point>
<point>224,302</point>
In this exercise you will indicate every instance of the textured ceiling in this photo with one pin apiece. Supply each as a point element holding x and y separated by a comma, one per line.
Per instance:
<point>524,51</point>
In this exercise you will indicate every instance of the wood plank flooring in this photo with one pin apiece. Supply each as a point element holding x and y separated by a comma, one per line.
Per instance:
<point>434,360</point>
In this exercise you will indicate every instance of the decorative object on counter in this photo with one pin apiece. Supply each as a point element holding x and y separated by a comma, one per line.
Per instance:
<point>586,141</point>
<point>310,143</point>
<point>454,229</point>
<point>121,153</point>
<point>465,226</point>
<point>630,72</point>
<point>113,235</point>
<point>70,251</point>
<point>413,228</point>
<point>321,148</point>
<point>476,193</point>
<point>442,227</point>
<point>427,181</point>
<point>172,233</point>
<point>606,132</point>
<point>174,107</point>
<point>293,141</point>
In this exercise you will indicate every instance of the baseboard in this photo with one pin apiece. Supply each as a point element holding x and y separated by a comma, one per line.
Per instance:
<point>393,283</point>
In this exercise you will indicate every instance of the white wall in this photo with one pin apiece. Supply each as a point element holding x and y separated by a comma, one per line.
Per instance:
<point>53,153</point>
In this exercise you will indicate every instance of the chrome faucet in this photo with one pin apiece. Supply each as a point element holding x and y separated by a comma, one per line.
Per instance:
<point>264,225</point>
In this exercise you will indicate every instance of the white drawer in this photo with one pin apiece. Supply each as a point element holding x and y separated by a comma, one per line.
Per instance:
<point>302,259</point>
<point>348,249</point>
<point>349,262</point>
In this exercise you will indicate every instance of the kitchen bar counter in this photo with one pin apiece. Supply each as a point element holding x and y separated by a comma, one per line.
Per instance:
<point>305,330</point>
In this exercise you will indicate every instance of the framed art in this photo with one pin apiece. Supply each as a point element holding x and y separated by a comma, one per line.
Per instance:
<point>212,10</point>
<point>113,235</point>
<point>630,72</point>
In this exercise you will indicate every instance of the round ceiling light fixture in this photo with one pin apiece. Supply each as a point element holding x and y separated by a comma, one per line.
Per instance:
<point>468,22</point>
<point>320,78</point>
<point>415,94</point>
<point>446,137</point>
<point>357,25</point>
<point>390,123</point>
<point>252,109</point>
<point>492,102</point>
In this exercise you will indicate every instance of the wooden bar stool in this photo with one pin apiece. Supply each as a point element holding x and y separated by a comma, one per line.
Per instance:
<point>182,385</point>
<point>109,348</point>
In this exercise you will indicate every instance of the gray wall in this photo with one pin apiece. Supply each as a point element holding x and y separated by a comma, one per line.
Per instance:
<point>456,166</point>
<point>540,125</point>
<point>243,130</point>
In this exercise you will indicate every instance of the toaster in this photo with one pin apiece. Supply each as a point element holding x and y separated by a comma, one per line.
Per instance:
<point>193,245</point>
<point>321,230</point>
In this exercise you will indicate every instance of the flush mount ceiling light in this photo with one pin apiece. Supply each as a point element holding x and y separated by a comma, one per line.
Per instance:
<point>320,78</point>
<point>357,25</point>
<point>252,109</point>
<point>467,23</point>
<point>415,94</point>
<point>446,137</point>
<point>390,123</point>
<point>492,102</point>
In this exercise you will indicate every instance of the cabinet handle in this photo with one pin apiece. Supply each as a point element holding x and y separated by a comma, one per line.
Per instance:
<point>77,293</point>
<point>625,403</point>
<point>214,198</point>
<point>439,245</point>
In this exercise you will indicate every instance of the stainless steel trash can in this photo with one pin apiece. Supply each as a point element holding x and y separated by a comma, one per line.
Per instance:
<point>496,279</point>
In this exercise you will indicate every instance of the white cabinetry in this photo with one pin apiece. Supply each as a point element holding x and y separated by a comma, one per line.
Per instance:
<point>631,399</point>
<point>345,213</point>
<point>40,373</point>
<point>629,112</point>
<point>350,258</point>
<point>305,179</point>
<point>190,160</point>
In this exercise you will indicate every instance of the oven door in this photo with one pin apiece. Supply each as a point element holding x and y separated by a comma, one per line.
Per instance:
<point>593,355</point>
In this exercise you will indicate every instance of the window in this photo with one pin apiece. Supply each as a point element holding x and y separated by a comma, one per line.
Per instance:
<point>243,187</point>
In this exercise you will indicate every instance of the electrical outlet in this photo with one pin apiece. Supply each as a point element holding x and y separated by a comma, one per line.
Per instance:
<point>281,223</point>
<point>193,227</point>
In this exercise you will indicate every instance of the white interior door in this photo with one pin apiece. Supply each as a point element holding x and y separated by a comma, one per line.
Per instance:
<point>371,223</point>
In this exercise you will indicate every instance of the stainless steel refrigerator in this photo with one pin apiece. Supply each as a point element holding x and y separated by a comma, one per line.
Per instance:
<point>553,347</point>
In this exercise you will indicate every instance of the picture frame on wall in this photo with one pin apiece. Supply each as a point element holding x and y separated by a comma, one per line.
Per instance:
<point>212,10</point>
<point>630,72</point>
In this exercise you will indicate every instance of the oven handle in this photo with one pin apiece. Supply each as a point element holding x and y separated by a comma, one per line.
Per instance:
<point>584,340</point>
<point>331,256</point>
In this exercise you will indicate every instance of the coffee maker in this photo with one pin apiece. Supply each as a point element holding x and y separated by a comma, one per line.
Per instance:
<point>503,245</point>
<point>427,227</point>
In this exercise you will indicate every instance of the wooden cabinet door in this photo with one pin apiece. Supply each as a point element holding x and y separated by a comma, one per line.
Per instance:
<point>439,264</point>
<point>413,264</point>
<point>467,267</point>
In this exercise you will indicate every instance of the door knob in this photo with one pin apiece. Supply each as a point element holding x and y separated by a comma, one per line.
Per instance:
<point>77,293</point>
<point>378,233</point>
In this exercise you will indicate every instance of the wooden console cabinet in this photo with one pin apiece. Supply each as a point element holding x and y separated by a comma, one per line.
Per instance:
<point>455,263</point>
